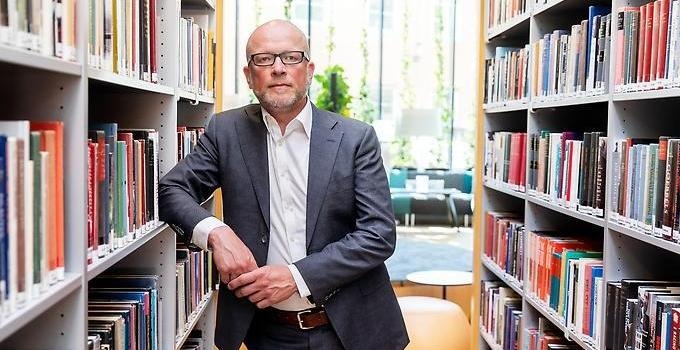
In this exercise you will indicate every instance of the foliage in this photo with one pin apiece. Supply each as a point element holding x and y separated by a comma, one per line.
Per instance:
<point>286,9</point>
<point>441,100</point>
<point>364,109</point>
<point>331,42</point>
<point>258,12</point>
<point>401,148</point>
<point>343,98</point>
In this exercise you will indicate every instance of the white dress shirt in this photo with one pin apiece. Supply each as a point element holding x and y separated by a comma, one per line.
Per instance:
<point>288,158</point>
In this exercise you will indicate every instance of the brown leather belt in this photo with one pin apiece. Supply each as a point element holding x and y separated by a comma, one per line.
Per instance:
<point>304,319</point>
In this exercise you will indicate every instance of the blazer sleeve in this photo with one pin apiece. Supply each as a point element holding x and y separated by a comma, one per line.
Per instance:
<point>357,253</point>
<point>183,189</point>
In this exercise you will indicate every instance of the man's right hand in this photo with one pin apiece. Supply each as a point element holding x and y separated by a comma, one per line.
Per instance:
<point>232,257</point>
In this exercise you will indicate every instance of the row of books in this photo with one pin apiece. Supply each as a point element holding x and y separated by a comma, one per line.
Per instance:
<point>567,62</point>
<point>123,179</point>
<point>643,314</point>
<point>649,50</point>
<point>504,242</point>
<point>194,274</point>
<point>122,37</point>
<point>505,157</point>
<point>44,26</point>
<point>124,312</point>
<point>501,314</point>
<point>565,274</point>
<point>187,137</point>
<point>197,53</point>
<point>31,211</point>
<point>646,189</point>
<point>569,169</point>
<point>506,75</point>
<point>546,337</point>
<point>501,11</point>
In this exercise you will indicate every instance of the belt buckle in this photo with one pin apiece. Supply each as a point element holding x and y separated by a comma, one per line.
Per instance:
<point>299,318</point>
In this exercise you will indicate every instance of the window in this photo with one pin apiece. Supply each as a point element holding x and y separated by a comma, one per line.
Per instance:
<point>415,60</point>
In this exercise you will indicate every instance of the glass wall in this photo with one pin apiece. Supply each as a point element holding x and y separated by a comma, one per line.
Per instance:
<point>397,61</point>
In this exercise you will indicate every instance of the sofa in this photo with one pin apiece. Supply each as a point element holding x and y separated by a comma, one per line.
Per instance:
<point>432,207</point>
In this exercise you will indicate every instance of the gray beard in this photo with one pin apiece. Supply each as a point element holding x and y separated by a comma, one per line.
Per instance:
<point>273,105</point>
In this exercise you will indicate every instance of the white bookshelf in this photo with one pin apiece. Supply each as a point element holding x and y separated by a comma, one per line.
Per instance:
<point>13,55</point>
<point>517,24</point>
<point>192,320</point>
<point>647,111</point>
<point>504,188</point>
<point>37,87</point>
<point>488,339</point>
<point>509,280</point>
<point>509,106</point>
<point>557,320</point>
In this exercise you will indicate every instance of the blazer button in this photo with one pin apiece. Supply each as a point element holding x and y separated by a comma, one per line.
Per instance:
<point>263,239</point>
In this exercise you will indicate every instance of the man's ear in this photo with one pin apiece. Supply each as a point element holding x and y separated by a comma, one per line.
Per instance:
<point>310,71</point>
<point>246,72</point>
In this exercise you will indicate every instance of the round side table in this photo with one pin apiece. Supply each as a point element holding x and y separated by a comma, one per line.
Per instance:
<point>444,278</point>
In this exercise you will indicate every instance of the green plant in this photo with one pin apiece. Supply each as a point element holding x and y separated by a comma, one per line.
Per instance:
<point>364,109</point>
<point>286,9</point>
<point>343,98</point>
<point>441,100</point>
<point>401,149</point>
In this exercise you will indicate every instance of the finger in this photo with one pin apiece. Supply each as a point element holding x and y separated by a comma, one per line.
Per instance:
<point>246,290</point>
<point>243,279</point>
<point>257,297</point>
<point>264,303</point>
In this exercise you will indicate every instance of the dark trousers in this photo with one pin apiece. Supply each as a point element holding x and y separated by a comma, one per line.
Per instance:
<point>267,334</point>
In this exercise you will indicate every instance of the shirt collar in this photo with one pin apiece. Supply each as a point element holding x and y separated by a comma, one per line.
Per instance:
<point>304,117</point>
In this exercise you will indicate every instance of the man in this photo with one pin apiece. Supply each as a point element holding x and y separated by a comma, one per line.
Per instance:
<point>308,220</point>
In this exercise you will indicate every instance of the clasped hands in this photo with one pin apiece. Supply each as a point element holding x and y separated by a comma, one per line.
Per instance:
<point>263,286</point>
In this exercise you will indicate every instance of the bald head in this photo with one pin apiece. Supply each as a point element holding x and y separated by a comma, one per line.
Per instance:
<point>270,35</point>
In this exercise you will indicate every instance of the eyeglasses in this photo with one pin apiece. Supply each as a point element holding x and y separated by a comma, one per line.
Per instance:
<point>268,59</point>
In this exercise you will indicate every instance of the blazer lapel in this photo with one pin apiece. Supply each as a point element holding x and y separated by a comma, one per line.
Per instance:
<point>252,134</point>
<point>323,149</point>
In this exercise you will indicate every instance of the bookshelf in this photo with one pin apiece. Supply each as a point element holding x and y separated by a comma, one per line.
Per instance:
<point>37,87</point>
<point>646,110</point>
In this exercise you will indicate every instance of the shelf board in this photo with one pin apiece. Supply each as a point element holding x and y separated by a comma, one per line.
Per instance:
<point>502,187</point>
<point>101,265</point>
<point>538,9</point>
<point>573,213</point>
<point>647,95</point>
<point>570,101</point>
<point>38,306</point>
<point>509,106</point>
<point>35,60</point>
<point>488,339</point>
<point>552,316</point>
<point>512,26</point>
<point>210,4</point>
<point>193,319</point>
<point>645,237</point>
<point>127,82</point>
<point>190,96</point>
<point>511,281</point>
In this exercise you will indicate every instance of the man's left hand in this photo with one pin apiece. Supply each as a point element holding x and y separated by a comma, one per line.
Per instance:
<point>265,286</point>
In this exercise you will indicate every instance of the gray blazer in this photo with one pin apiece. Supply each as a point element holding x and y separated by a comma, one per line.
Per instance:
<point>350,223</point>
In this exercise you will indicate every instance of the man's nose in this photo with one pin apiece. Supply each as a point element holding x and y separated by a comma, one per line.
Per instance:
<point>278,67</point>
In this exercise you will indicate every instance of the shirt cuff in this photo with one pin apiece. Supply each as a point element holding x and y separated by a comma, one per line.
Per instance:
<point>299,281</point>
<point>202,230</point>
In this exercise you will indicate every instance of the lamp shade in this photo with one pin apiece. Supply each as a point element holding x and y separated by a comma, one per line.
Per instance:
<point>420,122</point>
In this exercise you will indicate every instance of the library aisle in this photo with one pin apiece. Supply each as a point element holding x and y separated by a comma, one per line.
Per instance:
<point>99,101</point>
<point>577,237</point>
